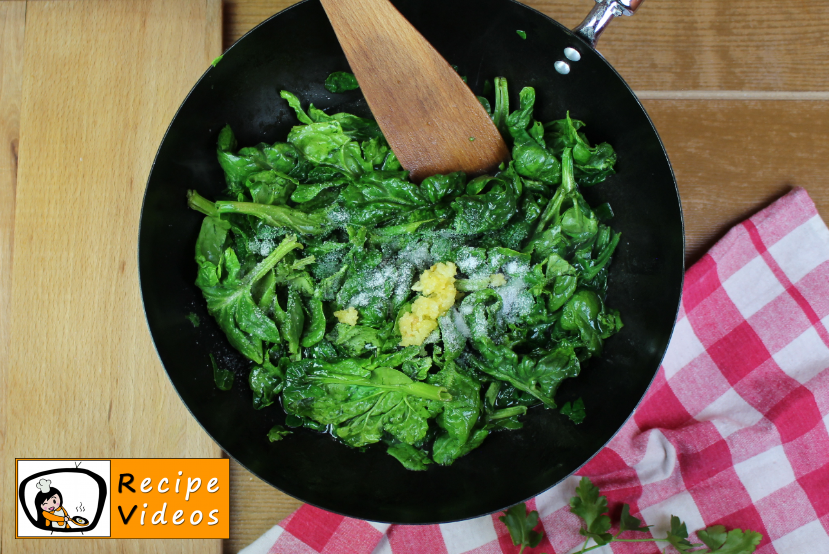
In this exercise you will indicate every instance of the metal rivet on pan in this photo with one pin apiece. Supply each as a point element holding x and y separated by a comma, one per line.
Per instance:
<point>562,67</point>
<point>572,54</point>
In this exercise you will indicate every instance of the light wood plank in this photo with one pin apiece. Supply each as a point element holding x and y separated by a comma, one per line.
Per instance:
<point>101,82</point>
<point>255,507</point>
<point>240,16</point>
<point>213,29</point>
<point>12,27</point>
<point>732,158</point>
<point>714,45</point>
<point>676,44</point>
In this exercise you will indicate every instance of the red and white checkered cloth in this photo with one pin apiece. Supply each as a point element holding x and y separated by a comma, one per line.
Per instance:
<point>733,431</point>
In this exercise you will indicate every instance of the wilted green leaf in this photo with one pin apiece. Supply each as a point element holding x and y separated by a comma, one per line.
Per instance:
<point>575,411</point>
<point>277,433</point>
<point>222,377</point>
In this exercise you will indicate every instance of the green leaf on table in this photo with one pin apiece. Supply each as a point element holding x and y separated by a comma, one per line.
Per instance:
<point>590,506</point>
<point>341,81</point>
<point>713,537</point>
<point>575,411</point>
<point>221,376</point>
<point>521,524</point>
<point>277,433</point>
<point>630,523</point>
<point>735,541</point>
<point>678,536</point>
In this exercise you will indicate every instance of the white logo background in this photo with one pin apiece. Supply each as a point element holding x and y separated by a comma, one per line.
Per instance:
<point>79,491</point>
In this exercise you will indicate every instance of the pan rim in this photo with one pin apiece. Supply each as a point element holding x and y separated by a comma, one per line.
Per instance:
<point>225,453</point>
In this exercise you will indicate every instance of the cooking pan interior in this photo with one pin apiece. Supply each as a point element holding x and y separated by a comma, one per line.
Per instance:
<point>296,50</point>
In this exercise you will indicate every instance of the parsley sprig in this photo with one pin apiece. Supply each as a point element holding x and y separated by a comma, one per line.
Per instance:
<point>591,507</point>
<point>521,525</point>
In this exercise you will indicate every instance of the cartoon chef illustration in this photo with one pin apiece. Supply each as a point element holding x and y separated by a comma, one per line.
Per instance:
<point>49,506</point>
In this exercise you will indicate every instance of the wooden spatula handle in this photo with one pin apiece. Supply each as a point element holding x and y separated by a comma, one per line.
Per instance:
<point>431,119</point>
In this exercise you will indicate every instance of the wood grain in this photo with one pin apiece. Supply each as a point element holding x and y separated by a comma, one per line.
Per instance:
<point>12,32</point>
<point>677,44</point>
<point>101,81</point>
<point>213,26</point>
<point>733,158</point>
<point>255,507</point>
<point>388,55</point>
<point>240,16</point>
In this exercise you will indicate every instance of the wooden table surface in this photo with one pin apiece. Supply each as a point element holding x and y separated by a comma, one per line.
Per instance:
<point>88,89</point>
<point>739,92</point>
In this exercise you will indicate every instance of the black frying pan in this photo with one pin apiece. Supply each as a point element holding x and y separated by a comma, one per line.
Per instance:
<point>295,50</point>
<point>80,521</point>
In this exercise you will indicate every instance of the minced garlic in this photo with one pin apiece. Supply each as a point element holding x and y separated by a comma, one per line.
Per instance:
<point>437,288</point>
<point>349,316</point>
<point>497,280</point>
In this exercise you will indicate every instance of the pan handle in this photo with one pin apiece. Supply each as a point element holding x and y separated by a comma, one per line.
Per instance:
<point>602,14</point>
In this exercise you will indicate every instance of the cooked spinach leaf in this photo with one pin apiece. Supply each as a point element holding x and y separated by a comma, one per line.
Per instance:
<point>221,376</point>
<point>522,312</point>
<point>341,81</point>
<point>231,304</point>
<point>361,404</point>
<point>277,433</point>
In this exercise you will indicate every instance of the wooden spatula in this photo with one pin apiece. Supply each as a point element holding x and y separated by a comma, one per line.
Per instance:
<point>431,119</point>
